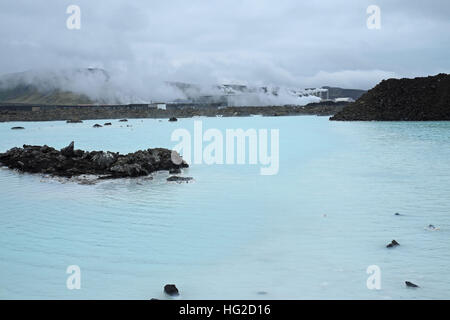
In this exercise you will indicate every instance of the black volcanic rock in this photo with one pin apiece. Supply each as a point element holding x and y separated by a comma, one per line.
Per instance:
<point>171,290</point>
<point>70,162</point>
<point>68,151</point>
<point>175,171</point>
<point>393,244</point>
<point>179,179</point>
<point>411,285</point>
<point>418,99</point>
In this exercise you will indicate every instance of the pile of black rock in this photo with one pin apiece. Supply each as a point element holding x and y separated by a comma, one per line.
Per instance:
<point>69,162</point>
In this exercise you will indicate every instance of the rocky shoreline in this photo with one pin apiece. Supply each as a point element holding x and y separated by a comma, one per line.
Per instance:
<point>75,114</point>
<point>70,162</point>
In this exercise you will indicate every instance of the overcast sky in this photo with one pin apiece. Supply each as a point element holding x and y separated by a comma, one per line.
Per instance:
<point>284,42</point>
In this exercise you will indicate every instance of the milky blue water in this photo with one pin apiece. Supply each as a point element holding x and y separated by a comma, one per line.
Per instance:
<point>309,232</point>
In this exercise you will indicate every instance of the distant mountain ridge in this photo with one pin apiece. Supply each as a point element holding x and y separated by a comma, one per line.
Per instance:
<point>336,92</point>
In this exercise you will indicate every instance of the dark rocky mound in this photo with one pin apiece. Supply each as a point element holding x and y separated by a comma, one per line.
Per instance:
<point>173,119</point>
<point>69,162</point>
<point>418,99</point>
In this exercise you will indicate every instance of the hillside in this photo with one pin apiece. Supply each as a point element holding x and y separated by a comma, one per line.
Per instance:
<point>30,94</point>
<point>418,99</point>
<point>48,87</point>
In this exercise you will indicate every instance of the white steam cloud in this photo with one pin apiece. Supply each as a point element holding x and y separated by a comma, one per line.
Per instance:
<point>125,87</point>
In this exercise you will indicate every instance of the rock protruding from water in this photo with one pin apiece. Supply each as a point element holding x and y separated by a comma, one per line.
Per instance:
<point>69,162</point>
<point>393,244</point>
<point>432,227</point>
<point>179,179</point>
<point>418,99</point>
<point>17,128</point>
<point>171,290</point>
<point>173,119</point>
<point>411,285</point>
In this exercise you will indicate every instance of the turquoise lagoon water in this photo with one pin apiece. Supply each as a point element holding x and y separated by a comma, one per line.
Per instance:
<point>309,232</point>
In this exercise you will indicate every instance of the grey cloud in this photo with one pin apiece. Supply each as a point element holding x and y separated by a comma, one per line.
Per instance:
<point>287,42</point>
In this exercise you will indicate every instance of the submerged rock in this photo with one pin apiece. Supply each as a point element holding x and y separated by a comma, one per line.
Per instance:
<point>123,120</point>
<point>107,124</point>
<point>17,128</point>
<point>69,162</point>
<point>171,290</point>
<point>97,125</point>
<point>393,244</point>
